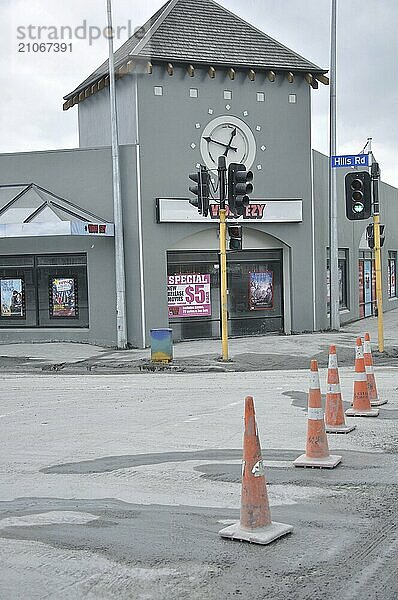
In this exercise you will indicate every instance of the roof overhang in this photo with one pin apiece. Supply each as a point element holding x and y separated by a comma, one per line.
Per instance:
<point>145,67</point>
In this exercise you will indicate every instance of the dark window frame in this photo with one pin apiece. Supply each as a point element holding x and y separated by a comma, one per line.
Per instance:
<point>36,305</point>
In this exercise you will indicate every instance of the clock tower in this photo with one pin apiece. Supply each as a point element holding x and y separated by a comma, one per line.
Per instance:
<point>194,83</point>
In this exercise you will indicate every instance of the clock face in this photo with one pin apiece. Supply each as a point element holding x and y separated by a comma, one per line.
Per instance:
<point>228,136</point>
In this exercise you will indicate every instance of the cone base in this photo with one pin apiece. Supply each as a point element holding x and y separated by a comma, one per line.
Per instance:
<point>259,535</point>
<point>321,463</point>
<point>339,428</point>
<point>378,402</point>
<point>352,412</point>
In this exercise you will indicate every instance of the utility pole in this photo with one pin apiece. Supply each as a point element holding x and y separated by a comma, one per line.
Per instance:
<point>121,320</point>
<point>333,211</point>
<point>222,171</point>
<point>375,173</point>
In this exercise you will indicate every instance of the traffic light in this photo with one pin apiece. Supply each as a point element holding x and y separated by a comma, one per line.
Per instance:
<point>239,188</point>
<point>382,236</point>
<point>358,194</point>
<point>235,237</point>
<point>370,235</point>
<point>201,190</point>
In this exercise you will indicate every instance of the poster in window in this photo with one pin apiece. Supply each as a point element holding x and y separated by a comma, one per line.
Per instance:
<point>12,298</point>
<point>361,291</point>
<point>261,290</point>
<point>63,298</point>
<point>188,295</point>
<point>391,278</point>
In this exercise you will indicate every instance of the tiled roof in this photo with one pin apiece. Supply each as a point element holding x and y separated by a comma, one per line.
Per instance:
<point>203,32</point>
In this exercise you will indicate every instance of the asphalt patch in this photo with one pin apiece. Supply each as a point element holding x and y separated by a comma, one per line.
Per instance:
<point>300,400</point>
<point>360,467</point>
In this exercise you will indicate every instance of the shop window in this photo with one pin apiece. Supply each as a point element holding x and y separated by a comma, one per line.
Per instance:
<point>44,291</point>
<point>343,280</point>
<point>367,284</point>
<point>260,96</point>
<point>255,299</point>
<point>392,275</point>
<point>193,93</point>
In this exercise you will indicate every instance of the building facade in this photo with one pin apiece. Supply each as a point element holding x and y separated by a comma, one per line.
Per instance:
<point>187,92</point>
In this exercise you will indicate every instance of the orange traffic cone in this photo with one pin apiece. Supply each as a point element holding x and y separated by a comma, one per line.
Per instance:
<point>334,411</point>
<point>317,449</point>
<point>361,404</point>
<point>370,376</point>
<point>255,518</point>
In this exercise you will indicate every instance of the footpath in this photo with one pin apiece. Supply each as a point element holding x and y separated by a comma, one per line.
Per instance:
<point>262,353</point>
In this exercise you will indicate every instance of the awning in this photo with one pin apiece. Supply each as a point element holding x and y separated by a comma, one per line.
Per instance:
<point>32,211</point>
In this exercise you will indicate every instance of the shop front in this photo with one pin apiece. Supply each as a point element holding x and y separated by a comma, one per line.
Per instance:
<point>255,293</point>
<point>48,249</point>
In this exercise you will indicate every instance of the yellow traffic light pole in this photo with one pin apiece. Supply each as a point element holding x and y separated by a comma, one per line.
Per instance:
<point>222,169</point>
<point>379,284</point>
<point>223,283</point>
<point>375,170</point>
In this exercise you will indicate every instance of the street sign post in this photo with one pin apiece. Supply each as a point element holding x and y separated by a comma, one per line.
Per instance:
<point>350,160</point>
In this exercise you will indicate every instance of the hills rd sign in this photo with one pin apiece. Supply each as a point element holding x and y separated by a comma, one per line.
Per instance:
<point>350,160</point>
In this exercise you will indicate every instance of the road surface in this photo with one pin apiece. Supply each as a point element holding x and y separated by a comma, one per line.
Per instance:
<point>115,487</point>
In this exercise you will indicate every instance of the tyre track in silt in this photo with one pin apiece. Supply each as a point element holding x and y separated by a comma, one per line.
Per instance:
<point>365,570</point>
<point>376,576</point>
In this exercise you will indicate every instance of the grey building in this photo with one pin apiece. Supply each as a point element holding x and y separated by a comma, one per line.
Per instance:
<point>189,88</point>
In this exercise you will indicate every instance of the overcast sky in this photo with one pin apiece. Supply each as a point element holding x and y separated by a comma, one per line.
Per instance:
<point>32,85</point>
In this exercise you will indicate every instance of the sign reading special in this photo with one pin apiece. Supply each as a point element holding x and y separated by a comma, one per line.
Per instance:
<point>189,295</point>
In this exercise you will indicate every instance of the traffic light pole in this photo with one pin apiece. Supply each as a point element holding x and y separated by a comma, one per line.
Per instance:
<point>376,226</point>
<point>222,170</point>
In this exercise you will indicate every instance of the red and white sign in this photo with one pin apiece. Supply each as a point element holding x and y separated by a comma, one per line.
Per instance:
<point>189,295</point>
<point>178,210</point>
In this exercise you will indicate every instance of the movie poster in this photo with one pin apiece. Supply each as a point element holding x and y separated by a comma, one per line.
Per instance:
<point>63,297</point>
<point>12,300</point>
<point>261,290</point>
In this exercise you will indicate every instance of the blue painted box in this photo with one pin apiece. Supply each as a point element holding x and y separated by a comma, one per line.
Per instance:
<point>161,345</point>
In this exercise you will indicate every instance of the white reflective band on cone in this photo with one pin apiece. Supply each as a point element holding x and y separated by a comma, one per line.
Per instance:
<point>369,369</point>
<point>314,380</point>
<point>332,361</point>
<point>315,414</point>
<point>366,348</point>
<point>334,388</point>
<point>360,377</point>
<point>358,352</point>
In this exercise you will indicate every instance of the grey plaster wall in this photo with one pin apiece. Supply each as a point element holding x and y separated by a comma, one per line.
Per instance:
<point>94,116</point>
<point>84,178</point>
<point>350,234</point>
<point>167,128</point>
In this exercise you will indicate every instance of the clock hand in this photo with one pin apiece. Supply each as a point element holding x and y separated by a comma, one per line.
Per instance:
<point>209,139</point>
<point>229,147</point>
